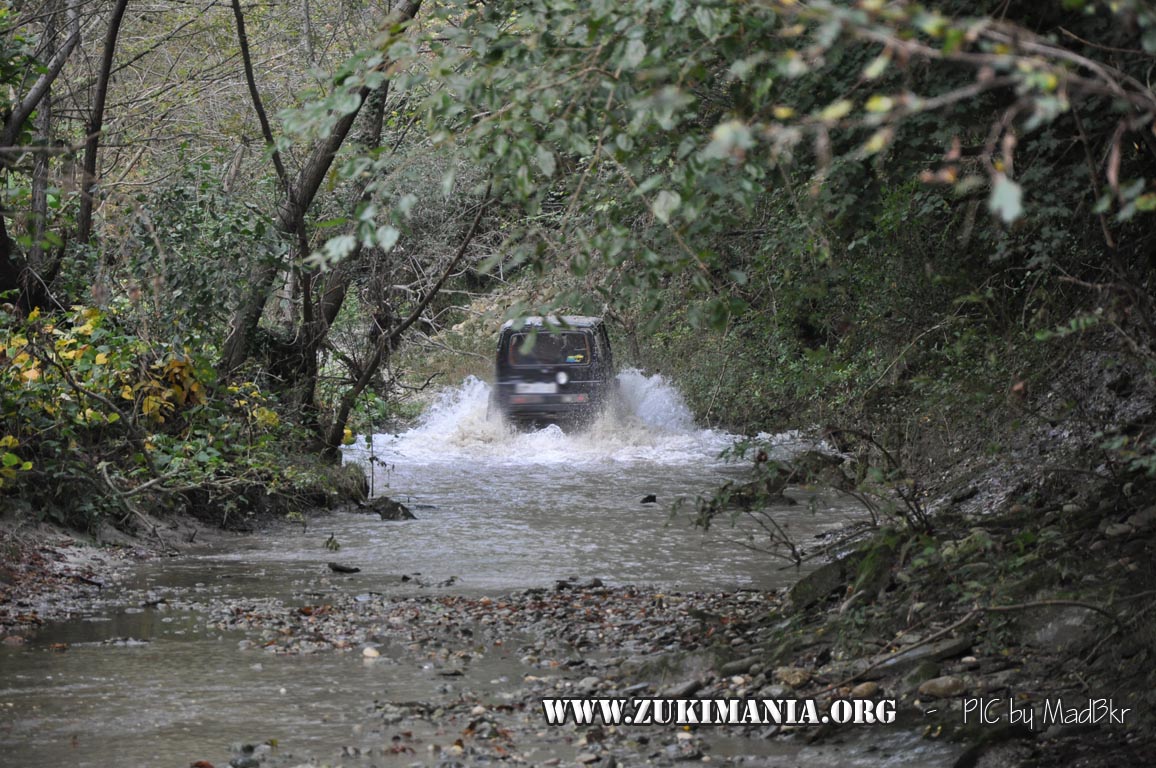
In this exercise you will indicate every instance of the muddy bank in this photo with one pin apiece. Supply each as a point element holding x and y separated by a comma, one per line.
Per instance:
<point>50,574</point>
<point>47,574</point>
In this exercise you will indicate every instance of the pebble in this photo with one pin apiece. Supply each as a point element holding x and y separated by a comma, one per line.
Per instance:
<point>943,687</point>
<point>1143,520</point>
<point>1116,530</point>
<point>588,683</point>
<point>865,690</point>
<point>794,677</point>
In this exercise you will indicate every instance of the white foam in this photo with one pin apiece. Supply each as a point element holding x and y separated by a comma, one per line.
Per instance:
<point>652,423</point>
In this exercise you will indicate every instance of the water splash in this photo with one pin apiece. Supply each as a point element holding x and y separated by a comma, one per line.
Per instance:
<point>654,401</point>
<point>649,422</point>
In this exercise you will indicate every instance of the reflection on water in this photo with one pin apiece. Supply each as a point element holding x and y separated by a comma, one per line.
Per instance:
<point>497,509</point>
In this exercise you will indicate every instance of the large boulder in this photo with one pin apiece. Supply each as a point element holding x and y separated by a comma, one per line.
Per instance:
<point>389,509</point>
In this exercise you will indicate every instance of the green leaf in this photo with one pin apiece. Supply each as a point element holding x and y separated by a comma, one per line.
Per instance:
<point>9,459</point>
<point>545,160</point>
<point>1006,199</point>
<point>387,237</point>
<point>729,139</point>
<point>665,204</point>
<point>635,53</point>
<point>704,19</point>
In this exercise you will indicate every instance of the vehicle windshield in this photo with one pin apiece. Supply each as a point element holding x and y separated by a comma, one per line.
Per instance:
<point>566,348</point>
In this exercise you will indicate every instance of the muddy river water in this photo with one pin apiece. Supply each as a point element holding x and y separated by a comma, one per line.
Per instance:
<point>152,676</point>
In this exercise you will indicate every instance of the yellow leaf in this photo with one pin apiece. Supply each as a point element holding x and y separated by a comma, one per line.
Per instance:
<point>85,330</point>
<point>877,67</point>
<point>101,358</point>
<point>34,314</point>
<point>836,111</point>
<point>878,141</point>
<point>878,103</point>
<point>9,441</point>
<point>32,374</point>
<point>784,113</point>
<point>126,392</point>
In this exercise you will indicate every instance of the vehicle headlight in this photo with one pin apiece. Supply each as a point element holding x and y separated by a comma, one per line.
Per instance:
<point>561,378</point>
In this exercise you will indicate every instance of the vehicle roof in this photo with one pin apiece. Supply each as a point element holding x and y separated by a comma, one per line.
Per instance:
<point>565,321</point>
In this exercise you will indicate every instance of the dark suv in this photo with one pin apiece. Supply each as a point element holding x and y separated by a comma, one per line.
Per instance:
<point>553,370</point>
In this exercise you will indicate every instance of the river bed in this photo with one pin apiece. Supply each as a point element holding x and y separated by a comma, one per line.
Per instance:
<point>260,643</point>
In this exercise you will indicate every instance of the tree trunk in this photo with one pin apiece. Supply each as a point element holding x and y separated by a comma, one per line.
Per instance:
<point>21,111</point>
<point>41,164</point>
<point>291,224</point>
<point>88,177</point>
<point>25,274</point>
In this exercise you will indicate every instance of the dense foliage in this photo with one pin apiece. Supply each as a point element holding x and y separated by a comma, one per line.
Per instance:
<point>803,210</point>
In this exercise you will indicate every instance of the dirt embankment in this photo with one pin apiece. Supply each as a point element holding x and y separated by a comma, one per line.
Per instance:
<point>47,573</point>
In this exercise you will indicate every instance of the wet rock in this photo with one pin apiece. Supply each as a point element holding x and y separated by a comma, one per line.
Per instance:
<point>1116,530</point>
<point>967,493</point>
<point>823,581</point>
<point>739,666</point>
<point>340,568</point>
<point>777,691</point>
<point>818,468</point>
<point>1144,520</point>
<point>649,498</point>
<point>795,677</point>
<point>865,690</point>
<point>388,509</point>
<point>682,690</point>
<point>588,683</point>
<point>943,687</point>
<point>245,761</point>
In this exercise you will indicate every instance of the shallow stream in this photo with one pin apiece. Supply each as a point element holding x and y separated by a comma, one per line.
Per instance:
<point>149,677</point>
